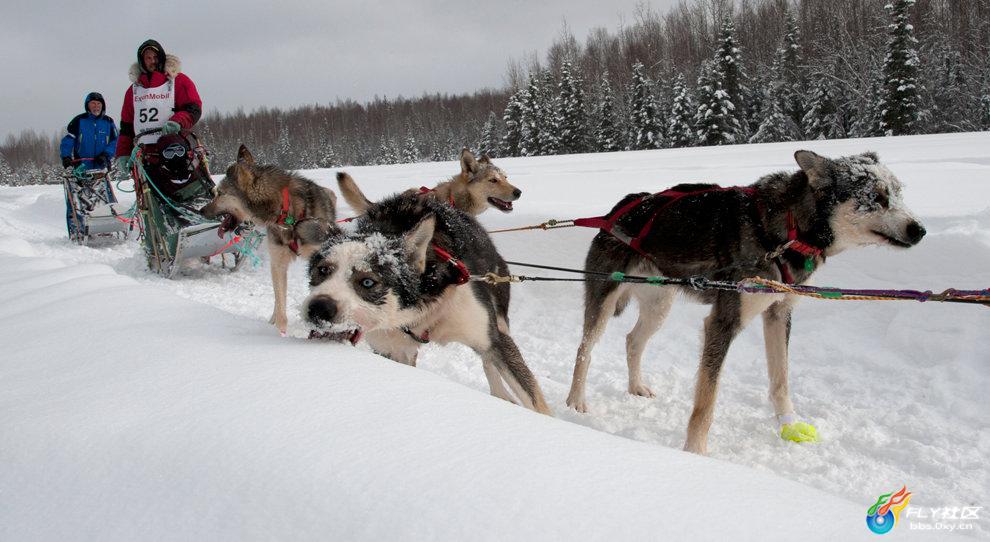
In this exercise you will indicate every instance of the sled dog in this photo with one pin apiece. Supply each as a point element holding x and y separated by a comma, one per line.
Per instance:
<point>297,212</point>
<point>479,186</point>
<point>782,227</point>
<point>401,279</point>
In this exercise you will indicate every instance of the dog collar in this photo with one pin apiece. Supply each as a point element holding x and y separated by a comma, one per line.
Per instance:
<point>424,190</point>
<point>284,216</point>
<point>810,253</point>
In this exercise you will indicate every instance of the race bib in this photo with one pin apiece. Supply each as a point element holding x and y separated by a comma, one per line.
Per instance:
<point>152,108</point>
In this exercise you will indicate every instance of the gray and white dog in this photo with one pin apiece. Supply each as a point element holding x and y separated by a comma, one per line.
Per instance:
<point>731,234</point>
<point>401,280</point>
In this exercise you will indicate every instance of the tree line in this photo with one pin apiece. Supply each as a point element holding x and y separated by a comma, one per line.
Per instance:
<point>707,72</point>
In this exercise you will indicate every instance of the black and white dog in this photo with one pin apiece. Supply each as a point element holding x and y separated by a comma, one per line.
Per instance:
<point>781,227</point>
<point>402,279</point>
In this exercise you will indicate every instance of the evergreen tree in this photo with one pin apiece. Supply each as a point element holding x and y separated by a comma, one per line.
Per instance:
<point>488,144</point>
<point>715,122</point>
<point>899,104</point>
<point>985,109</point>
<point>868,113</point>
<point>284,155</point>
<point>511,141</point>
<point>608,138</point>
<point>326,157</point>
<point>793,86</point>
<point>945,111</point>
<point>548,116</point>
<point>775,124</point>
<point>573,118</point>
<point>732,77</point>
<point>529,144</point>
<point>644,117</point>
<point>822,119</point>
<point>387,153</point>
<point>410,152</point>
<point>680,127</point>
<point>7,176</point>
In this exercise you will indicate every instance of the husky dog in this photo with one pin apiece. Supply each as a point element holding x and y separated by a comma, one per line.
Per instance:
<point>298,213</point>
<point>732,234</point>
<point>479,186</point>
<point>401,280</point>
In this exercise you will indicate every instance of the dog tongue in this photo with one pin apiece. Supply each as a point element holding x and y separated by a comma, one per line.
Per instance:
<point>226,225</point>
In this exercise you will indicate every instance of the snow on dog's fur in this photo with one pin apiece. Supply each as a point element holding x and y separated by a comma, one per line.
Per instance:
<point>731,235</point>
<point>389,283</point>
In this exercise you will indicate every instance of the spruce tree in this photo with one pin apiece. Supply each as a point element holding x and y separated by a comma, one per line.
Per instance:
<point>488,144</point>
<point>512,117</point>
<point>573,118</point>
<point>899,104</point>
<point>410,152</point>
<point>530,143</point>
<point>715,122</point>
<point>284,155</point>
<point>985,109</point>
<point>608,138</point>
<point>680,127</point>
<point>775,124</point>
<point>7,176</point>
<point>822,120</point>
<point>793,87</point>
<point>728,61</point>
<point>387,153</point>
<point>548,116</point>
<point>644,118</point>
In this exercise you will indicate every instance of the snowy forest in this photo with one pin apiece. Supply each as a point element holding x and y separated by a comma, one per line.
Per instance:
<point>707,72</point>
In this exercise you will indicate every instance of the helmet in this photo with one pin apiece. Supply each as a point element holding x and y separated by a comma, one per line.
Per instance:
<point>176,156</point>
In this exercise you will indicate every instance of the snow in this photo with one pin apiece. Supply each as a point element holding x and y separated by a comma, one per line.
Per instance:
<point>135,407</point>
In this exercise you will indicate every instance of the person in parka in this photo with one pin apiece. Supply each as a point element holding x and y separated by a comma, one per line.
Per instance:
<point>91,136</point>
<point>160,101</point>
<point>90,142</point>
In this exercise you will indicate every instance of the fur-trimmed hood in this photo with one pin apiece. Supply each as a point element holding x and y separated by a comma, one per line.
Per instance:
<point>173,67</point>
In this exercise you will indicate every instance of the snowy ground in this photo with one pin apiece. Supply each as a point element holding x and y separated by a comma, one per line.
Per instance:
<point>105,432</point>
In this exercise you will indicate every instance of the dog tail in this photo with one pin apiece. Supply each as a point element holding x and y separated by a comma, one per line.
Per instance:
<point>352,194</point>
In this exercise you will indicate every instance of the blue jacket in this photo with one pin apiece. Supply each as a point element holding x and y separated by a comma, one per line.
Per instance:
<point>90,136</point>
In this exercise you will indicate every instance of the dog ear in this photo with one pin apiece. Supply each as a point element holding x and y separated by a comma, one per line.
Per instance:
<point>417,242</point>
<point>242,176</point>
<point>813,165</point>
<point>244,155</point>
<point>485,159</point>
<point>469,165</point>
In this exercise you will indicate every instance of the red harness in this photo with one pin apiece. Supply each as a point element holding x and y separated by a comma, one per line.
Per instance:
<point>463,275</point>
<point>609,225</point>
<point>286,218</point>
<point>424,190</point>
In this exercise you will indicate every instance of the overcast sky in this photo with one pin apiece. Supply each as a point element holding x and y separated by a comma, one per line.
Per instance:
<point>244,55</point>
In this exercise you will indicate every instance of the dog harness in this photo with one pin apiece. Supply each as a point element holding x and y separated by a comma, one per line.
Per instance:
<point>463,276</point>
<point>287,219</point>
<point>610,225</point>
<point>424,190</point>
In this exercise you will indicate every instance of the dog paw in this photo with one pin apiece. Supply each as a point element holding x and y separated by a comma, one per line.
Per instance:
<point>799,432</point>
<point>641,390</point>
<point>578,404</point>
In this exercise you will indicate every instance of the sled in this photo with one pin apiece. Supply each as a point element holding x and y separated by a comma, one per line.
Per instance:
<point>94,214</point>
<point>173,230</point>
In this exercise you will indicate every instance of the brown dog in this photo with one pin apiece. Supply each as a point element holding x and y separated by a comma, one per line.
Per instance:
<point>479,186</point>
<point>297,212</point>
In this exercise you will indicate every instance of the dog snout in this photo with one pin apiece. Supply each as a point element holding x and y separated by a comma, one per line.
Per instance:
<point>209,210</point>
<point>915,231</point>
<point>516,193</point>
<point>321,310</point>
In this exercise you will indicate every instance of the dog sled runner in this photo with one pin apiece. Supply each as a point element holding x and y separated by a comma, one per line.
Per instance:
<point>172,183</point>
<point>93,208</point>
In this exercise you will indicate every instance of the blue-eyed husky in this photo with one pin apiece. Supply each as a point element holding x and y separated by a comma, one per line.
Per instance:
<point>402,279</point>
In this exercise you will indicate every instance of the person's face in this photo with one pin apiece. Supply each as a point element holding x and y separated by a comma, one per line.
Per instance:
<point>95,107</point>
<point>150,58</point>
